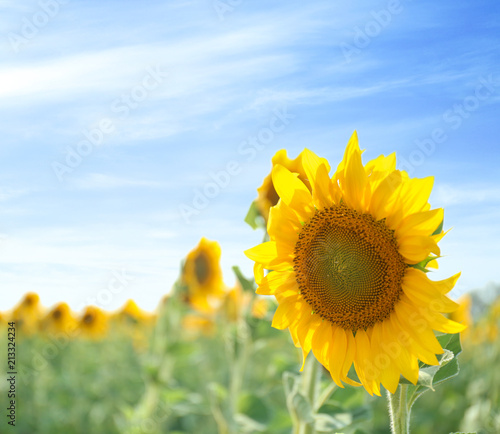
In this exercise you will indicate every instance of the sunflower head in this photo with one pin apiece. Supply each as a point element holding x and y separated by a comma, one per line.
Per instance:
<point>236,300</point>
<point>28,313</point>
<point>202,276</point>
<point>93,322</point>
<point>198,324</point>
<point>60,319</point>
<point>260,307</point>
<point>347,262</point>
<point>131,314</point>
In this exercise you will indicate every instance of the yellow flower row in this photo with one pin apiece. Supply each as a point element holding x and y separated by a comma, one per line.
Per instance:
<point>31,317</point>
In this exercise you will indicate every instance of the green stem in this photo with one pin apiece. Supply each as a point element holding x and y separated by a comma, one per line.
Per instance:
<point>309,388</point>
<point>325,395</point>
<point>399,410</point>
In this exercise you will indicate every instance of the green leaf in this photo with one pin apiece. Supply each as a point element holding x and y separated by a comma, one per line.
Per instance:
<point>326,423</point>
<point>431,376</point>
<point>254,407</point>
<point>451,343</point>
<point>298,406</point>
<point>253,217</point>
<point>290,383</point>
<point>450,370</point>
<point>247,424</point>
<point>301,408</point>
<point>246,284</point>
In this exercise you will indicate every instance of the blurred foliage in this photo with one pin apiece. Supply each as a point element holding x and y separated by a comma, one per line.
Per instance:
<point>155,374</point>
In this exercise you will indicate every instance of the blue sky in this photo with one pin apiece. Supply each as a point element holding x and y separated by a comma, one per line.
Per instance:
<point>114,115</point>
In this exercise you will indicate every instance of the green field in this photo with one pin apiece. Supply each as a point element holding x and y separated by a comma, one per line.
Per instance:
<point>222,375</point>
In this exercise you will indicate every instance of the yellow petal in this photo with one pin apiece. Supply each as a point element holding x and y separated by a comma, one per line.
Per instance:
<point>258,272</point>
<point>305,332</point>
<point>263,253</point>
<point>276,282</point>
<point>406,363</point>
<point>337,355</point>
<point>384,195</point>
<point>421,223</point>
<point>417,248</point>
<point>290,189</point>
<point>389,374</point>
<point>363,355</point>
<point>355,182</point>
<point>422,291</point>
<point>317,170</point>
<point>281,231</point>
<point>415,194</point>
<point>446,285</point>
<point>321,342</point>
<point>417,330</point>
<point>288,311</point>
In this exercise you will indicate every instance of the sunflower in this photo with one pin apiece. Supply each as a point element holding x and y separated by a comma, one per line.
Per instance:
<point>347,262</point>
<point>131,314</point>
<point>60,320</point>
<point>28,313</point>
<point>94,322</point>
<point>267,195</point>
<point>260,307</point>
<point>463,314</point>
<point>202,276</point>
<point>195,324</point>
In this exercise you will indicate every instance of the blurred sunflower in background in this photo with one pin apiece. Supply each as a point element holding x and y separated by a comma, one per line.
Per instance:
<point>487,326</point>
<point>28,314</point>
<point>347,262</point>
<point>463,314</point>
<point>93,323</point>
<point>60,319</point>
<point>132,315</point>
<point>202,277</point>
<point>4,317</point>
<point>235,301</point>
<point>196,324</point>
<point>260,307</point>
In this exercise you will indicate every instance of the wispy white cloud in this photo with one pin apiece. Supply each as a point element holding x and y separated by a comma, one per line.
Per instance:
<point>101,181</point>
<point>7,193</point>
<point>447,195</point>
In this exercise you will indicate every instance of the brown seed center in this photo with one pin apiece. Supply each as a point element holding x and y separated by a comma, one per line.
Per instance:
<point>202,268</point>
<point>348,267</point>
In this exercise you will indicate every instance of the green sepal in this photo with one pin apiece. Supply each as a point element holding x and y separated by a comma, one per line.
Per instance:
<point>422,265</point>
<point>254,217</point>
<point>439,228</point>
